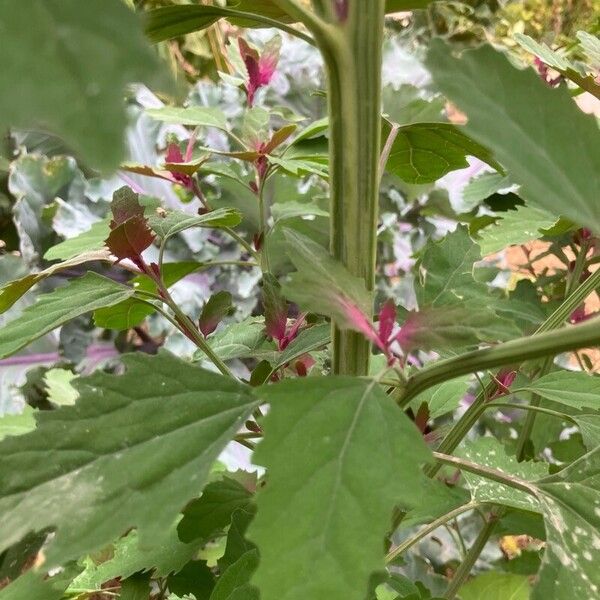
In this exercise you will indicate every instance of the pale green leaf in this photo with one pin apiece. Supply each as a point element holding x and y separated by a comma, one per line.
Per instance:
<point>198,116</point>
<point>442,398</point>
<point>59,387</point>
<point>17,424</point>
<point>73,83</point>
<point>549,146</point>
<point>591,46</point>
<point>364,455</point>
<point>518,226</point>
<point>496,586</point>
<point>483,187</point>
<point>571,388</point>
<point>88,241</point>
<point>589,427</point>
<point>56,308</point>
<point>32,586</point>
<point>130,453</point>
<point>238,340</point>
<point>542,51</point>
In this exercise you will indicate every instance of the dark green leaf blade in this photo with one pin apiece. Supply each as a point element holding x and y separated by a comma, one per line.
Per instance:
<point>364,455</point>
<point>132,451</point>
<point>52,310</point>
<point>550,148</point>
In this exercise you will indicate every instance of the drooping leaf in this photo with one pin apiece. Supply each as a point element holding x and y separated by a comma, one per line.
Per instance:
<point>132,451</point>
<point>88,241</point>
<point>234,583</point>
<point>211,513</point>
<point>550,148</point>
<point>12,291</point>
<point>275,307</point>
<point>571,388</point>
<point>496,586</point>
<point>515,227</point>
<point>364,455</point>
<point>52,310</point>
<point>425,152</point>
<point>217,307</point>
<point>74,83</point>
<point>323,285</point>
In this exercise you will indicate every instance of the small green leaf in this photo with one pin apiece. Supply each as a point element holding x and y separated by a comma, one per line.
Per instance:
<point>424,152</point>
<point>130,453</point>
<point>205,517</point>
<point>175,221</point>
<point>198,116</point>
<point>239,340</point>
<point>59,386</point>
<point>442,398</point>
<point>217,307</point>
<point>496,586</point>
<point>88,241</point>
<point>307,341</point>
<point>73,84</point>
<point>365,453</point>
<point>195,578</point>
<point>56,308</point>
<point>571,388</point>
<point>549,146</point>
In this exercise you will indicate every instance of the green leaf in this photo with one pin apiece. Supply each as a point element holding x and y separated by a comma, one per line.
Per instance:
<point>130,453</point>
<point>12,291</point>
<point>31,586</point>
<point>217,307</point>
<point>570,501</point>
<point>324,285</point>
<point>73,83</point>
<point>59,386</point>
<point>515,227</point>
<point>198,116</point>
<point>234,582</point>
<point>483,187</point>
<point>571,388</point>
<point>163,555</point>
<point>442,398</point>
<point>589,426</point>
<point>365,453</point>
<point>548,56</point>
<point>175,221</point>
<point>17,424</point>
<point>88,241</point>
<point>591,46</point>
<point>238,340</point>
<point>549,146</point>
<point>488,451</point>
<point>136,587</point>
<point>237,543</point>
<point>496,586</point>
<point>56,308</point>
<point>205,517</point>
<point>308,340</point>
<point>424,152</point>
<point>195,578</point>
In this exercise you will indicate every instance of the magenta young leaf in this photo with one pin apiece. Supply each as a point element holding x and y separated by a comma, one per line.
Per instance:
<point>260,67</point>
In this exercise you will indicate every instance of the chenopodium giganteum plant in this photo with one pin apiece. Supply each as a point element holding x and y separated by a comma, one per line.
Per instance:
<point>348,407</point>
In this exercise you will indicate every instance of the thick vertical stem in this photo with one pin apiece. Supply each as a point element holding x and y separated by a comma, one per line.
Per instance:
<point>353,58</point>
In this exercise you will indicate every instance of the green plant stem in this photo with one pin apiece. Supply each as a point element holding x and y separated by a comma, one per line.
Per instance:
<point>464,570</point>
<point>531,408</point>
<point>352,52</point>
<point>515,351</point>
<point>430,528</point>
<point>264,224</point>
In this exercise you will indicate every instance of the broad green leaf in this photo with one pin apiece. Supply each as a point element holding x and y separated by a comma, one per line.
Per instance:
<point>570,500</point>
<point>323,285</point>
<point>211,513</point>
<point>424,152</point>
<point>163,555</point>
<point>73,83</point>
<point>56,308</point>
<point>234,583</point>
<point>364,455</point>
<point>32,586</point>
<point>589,427</point>
<point>17,424</point>
<point>11,292</point>
<point>488,451</point>
<point>130,453</point>
<point>442,398</point>
<point>198,116</point>
<point>496,586</point>
<point>550,148</point>
<point>59,386</point>
<point>88,241</point>
<point>571,388</point>
<point>483,187</point>
<point>308,340</point>
<point>515,227</point>
<point>175,221</point>
<point>406,105</point>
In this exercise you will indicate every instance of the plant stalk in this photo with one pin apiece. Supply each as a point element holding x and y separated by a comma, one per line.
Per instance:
<point>353,53</point>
